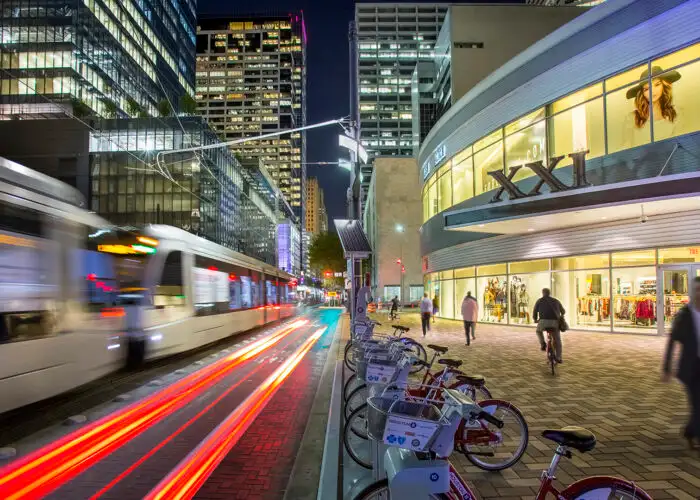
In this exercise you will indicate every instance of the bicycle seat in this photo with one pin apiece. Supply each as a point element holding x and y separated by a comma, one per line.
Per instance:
<point>574,437</point>
<point>452,363</point>
<point>474,380</point>
<point>437,348</point>
<point>400,328</point>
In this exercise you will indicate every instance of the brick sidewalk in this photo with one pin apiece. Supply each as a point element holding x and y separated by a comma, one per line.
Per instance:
<point>609,383</point>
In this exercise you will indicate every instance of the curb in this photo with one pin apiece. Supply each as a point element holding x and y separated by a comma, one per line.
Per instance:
<point>304,481</point>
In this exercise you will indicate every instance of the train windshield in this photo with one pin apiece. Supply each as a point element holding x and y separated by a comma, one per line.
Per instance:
<point>115,262</point>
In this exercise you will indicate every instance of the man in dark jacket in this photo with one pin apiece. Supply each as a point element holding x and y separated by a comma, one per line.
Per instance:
<point>685,331</point>
<point>546,314</point>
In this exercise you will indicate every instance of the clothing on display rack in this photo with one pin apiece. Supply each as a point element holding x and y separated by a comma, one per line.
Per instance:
<point>598,307</point>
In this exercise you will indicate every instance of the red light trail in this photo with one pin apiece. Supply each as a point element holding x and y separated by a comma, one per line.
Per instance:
<point>191,473</point>
<point>46,469</point>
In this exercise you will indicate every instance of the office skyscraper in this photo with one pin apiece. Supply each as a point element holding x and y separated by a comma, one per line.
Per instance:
<point>95,57</point>
<point>391,39</point>
<point>316,216</point>
<point>251,80</point>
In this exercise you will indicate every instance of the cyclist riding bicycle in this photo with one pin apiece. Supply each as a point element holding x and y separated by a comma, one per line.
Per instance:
<point>547,313</point>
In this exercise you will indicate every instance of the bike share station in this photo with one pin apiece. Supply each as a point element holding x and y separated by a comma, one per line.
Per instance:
<point>394,426</point>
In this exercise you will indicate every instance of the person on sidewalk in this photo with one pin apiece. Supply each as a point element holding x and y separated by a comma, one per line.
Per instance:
<point>436,307</point>
<point>426,306</point>
<point>393,312</point>
<point>470,309</point>
<point>547,314</point>
<point>685,331</point>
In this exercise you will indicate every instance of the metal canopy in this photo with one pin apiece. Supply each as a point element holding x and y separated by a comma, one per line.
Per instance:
<point>353,238</point>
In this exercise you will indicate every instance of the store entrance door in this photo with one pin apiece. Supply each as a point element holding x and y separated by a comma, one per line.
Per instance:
<point>674,287</point>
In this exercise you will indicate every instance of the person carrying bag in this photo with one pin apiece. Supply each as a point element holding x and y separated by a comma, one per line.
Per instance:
<point>549,315</point>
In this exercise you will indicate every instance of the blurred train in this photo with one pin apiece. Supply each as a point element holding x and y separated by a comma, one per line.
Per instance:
<point>80,297</point>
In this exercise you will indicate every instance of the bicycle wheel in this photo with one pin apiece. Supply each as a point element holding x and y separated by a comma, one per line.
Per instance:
<point>350,384</point>
<point>552,362</point>
<point>475,393</point>
<point>357,398</point>
<point>489,447</point>
<point>349,358</point>
<point>418,351</point>
<point>355,438</point>
<point>604,488</point>
<point>380,491</point>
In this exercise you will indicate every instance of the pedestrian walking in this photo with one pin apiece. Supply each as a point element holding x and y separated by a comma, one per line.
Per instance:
<point>470,309</point>
<point>548,315</point>
<point>426,306</point>
<point>393,312</point>
<point>436,306</point>
<point>685,331</point>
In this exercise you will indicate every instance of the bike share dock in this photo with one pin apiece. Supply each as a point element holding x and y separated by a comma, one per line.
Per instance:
<point>608,384</point>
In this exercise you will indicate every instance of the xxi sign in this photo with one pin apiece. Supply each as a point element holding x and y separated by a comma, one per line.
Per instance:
<point>546,175</point>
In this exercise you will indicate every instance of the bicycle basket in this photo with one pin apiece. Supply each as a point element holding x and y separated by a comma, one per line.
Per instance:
<point>376,371</point>
<point>404,424</point>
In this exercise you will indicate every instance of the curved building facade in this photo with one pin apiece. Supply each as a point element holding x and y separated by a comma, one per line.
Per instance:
<point>575,166</point>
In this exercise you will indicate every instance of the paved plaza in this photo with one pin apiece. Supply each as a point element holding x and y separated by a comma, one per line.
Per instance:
<point>609,383</point>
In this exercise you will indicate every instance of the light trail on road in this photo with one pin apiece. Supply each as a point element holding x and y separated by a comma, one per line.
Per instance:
<point>46,469</point>
<point>191,473</point>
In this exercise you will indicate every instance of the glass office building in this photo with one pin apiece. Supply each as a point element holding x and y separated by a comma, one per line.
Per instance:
<point>95,57</point>
<point>574,170</point>
<point>251,80</point>
<point>208,193</point>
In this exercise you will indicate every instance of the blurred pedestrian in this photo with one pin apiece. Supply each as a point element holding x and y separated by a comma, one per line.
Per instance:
<point>470,308</point>
<point>436,306</point>
<point>426,306</point>
<point>685,331</point>
<point>393,312</point>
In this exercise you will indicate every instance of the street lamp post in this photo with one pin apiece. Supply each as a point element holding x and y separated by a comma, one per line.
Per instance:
<point>402,267</point>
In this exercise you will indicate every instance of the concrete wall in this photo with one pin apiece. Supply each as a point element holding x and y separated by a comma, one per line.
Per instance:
<point>397,202</point>
<point>517,27</point>
<point>59,148</point>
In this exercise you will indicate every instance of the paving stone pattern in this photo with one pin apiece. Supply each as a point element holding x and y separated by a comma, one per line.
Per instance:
<point>609,383</point>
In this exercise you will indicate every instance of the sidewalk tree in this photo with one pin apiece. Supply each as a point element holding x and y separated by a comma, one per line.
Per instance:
<point>164,108</point>
<point>326,255</point>
<point>188,105</point>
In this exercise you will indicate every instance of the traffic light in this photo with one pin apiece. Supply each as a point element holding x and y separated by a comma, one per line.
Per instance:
<point>328,274</point>
<point>403,269</point>
<point>398,261</point>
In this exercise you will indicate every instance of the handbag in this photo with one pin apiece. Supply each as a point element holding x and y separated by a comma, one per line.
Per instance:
<point>563,325</point>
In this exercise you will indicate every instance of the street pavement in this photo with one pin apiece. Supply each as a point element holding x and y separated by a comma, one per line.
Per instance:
<point>259,466</point>
<point>608,383</point>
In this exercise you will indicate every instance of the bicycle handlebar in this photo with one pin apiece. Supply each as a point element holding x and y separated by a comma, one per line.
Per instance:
<point>484,415</point>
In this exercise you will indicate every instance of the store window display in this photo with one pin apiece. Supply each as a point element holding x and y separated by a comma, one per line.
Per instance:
<point>634,299</point>
<point>586,297</point>
<point>493,298</point>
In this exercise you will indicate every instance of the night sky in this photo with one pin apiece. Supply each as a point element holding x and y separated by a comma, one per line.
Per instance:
<point>327,84</point>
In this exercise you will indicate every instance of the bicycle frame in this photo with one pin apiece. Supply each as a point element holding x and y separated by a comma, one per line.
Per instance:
<point>574,490</point>
<point>459,487</point>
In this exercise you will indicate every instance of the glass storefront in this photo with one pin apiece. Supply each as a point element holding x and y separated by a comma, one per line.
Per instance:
<point>652,102</point>
<point>633,291</point>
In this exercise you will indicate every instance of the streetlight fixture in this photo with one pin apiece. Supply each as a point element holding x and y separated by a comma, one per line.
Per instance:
<point>399,228</point>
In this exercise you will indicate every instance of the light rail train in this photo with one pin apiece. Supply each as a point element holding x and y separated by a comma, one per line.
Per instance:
<point>80,297</point>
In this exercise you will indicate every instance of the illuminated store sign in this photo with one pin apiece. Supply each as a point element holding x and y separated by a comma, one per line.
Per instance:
<point>545,173</point>
<point>434,160</point>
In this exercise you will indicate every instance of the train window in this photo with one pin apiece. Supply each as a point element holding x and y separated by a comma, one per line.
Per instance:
<point>19,219</point>
<point>169,291</point>
<point>255,289</point>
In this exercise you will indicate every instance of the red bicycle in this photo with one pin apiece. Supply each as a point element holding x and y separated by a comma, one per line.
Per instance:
<point>591,488</point>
